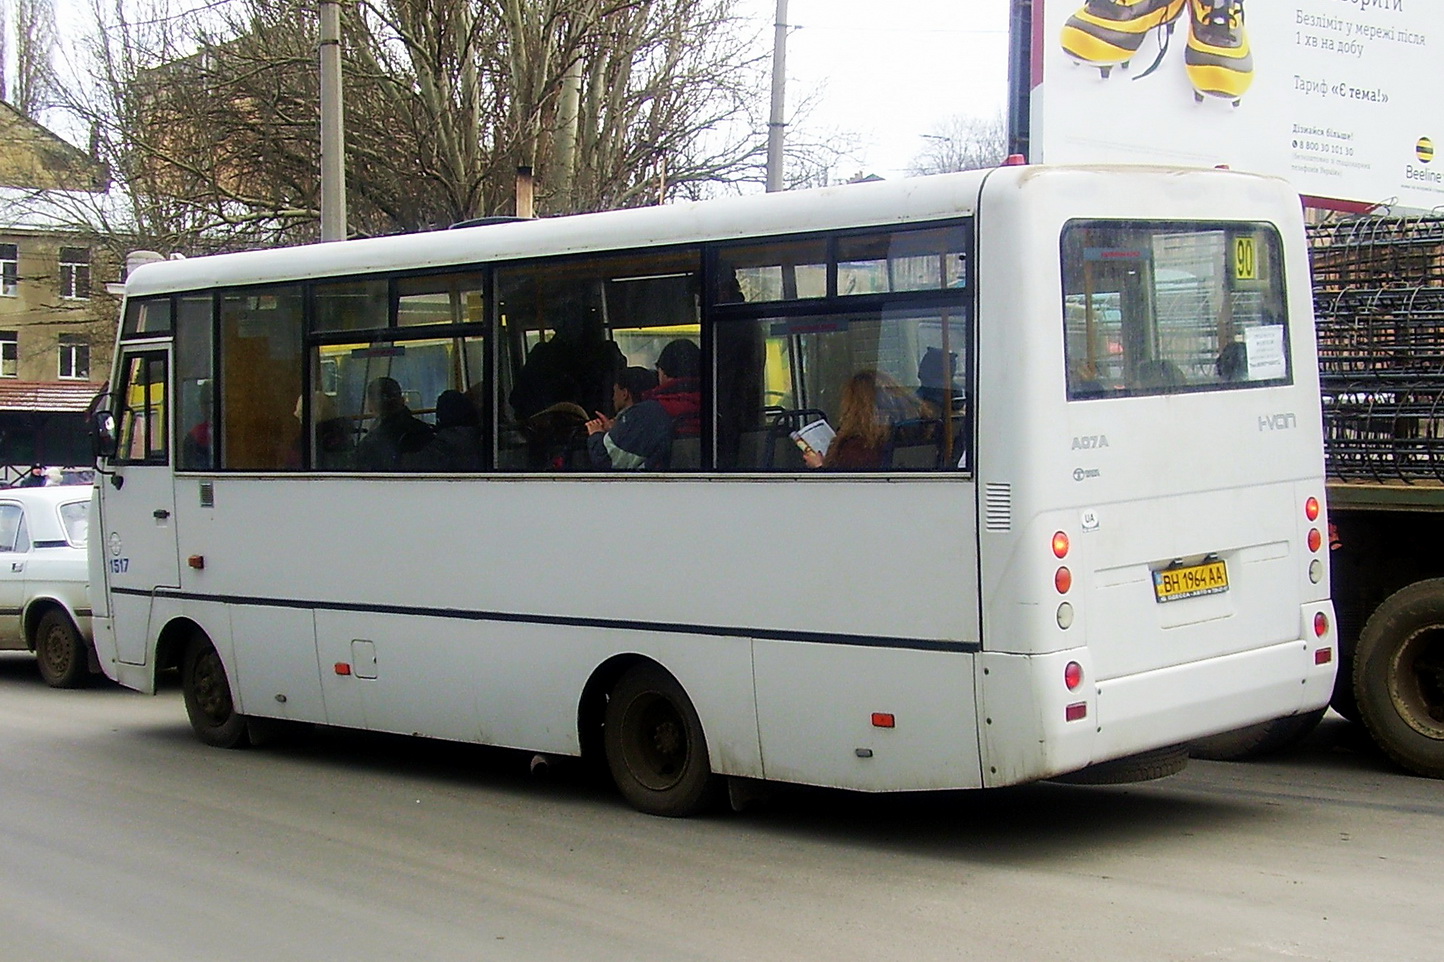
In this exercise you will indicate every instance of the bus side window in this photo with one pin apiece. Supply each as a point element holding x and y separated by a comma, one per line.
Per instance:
<point>195,382</point>
<point>568,326</point>
<point>888,382</point>
<point>260,331</point>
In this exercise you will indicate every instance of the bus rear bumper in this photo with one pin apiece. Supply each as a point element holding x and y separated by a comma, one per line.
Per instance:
<point>1132,714</point>
<point>1145,711</point>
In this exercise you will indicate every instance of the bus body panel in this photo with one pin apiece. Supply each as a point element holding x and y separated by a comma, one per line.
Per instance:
<point>607,550</point>
<point>817,708</point>
<point>275,672</point>
<point>447,678</point>
<point>1023,711</point>
<point>454,588</point>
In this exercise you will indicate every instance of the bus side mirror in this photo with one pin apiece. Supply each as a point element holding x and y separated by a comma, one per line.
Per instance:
<point>102,434</point>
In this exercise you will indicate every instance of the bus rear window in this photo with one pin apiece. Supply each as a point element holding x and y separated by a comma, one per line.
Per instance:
<point>1163,308</point>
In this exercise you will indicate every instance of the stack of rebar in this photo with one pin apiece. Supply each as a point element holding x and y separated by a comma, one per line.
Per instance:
<point>1379,306</point>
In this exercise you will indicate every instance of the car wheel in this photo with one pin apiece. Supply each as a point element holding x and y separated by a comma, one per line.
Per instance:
<point>60,651</point>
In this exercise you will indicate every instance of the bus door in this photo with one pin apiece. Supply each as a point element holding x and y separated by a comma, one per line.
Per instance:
<point>138,517</point>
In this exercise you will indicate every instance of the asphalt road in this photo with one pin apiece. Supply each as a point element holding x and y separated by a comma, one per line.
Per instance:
<point>122,838</point>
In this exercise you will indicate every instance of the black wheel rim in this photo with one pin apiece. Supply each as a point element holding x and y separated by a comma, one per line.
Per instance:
<point>1416,681</point>
<point>655,744</point>
<point>211,692</point>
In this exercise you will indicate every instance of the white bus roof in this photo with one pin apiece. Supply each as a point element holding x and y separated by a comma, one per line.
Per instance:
<point>873,204</point>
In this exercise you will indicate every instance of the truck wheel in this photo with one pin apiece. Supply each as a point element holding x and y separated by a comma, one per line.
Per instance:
<point>207,695</point>
<point>1251,741</point>
<point>60,651</point>
<point>1399,677</point>
<point>655,747</point>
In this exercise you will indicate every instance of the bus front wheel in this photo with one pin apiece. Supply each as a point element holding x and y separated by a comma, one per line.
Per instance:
<point>655,747</point>
<point>207,692</point>
<point>1399,677</point>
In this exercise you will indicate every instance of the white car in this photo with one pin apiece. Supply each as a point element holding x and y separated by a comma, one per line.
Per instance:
<point>44,582</point>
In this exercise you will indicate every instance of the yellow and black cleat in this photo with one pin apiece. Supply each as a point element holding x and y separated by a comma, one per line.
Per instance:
<point>1106,33</point>
<point>1218,58</point>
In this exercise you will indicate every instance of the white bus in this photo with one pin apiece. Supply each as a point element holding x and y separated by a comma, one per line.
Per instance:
<point>1071,513</point>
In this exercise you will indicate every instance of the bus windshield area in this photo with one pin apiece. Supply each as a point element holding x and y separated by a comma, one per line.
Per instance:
<point>1164,308</point>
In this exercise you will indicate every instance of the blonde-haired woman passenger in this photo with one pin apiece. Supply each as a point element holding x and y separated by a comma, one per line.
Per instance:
<point>872,403</point>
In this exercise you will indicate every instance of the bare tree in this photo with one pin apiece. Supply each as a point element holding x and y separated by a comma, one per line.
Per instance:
<point>962,142</point>
<point>33,67</point>
<point>210,121</point>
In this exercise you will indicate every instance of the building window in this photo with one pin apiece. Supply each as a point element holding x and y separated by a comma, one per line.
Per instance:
<point>75,272</point>
<point>74,357</point>
<point>9,270</point>
<point>9,354</point>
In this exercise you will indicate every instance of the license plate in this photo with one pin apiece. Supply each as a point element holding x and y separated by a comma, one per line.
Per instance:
<point>1175,584</point>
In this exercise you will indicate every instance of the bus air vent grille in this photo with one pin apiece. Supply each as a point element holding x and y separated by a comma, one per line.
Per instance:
<point>998,507</point>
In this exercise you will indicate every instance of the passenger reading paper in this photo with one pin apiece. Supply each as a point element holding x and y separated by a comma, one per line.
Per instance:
<point>872,403</point>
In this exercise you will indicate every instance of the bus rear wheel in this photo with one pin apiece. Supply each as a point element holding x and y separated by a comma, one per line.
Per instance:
<point>655,747</point>
<point>60,651</point>
<point>1254,741</point>
<point>1399,677</point>
<point>207,693</point>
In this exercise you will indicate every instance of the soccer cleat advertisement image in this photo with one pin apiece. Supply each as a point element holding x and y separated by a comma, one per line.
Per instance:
<point>1217,57</point>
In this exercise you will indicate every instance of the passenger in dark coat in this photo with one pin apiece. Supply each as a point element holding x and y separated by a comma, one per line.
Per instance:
<point>456,446</point>
<point>396,434</point>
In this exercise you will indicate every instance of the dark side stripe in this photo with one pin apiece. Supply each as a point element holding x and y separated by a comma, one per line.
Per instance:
<point>571,621</point>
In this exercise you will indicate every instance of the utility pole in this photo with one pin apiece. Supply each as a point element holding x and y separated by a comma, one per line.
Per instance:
<point>333,137</point>
<point>776,124</point>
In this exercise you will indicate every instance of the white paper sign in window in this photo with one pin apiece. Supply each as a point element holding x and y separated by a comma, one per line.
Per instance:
<point>1266,360</point>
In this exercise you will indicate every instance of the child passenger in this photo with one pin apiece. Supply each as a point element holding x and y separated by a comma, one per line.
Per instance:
<point>639,438</point>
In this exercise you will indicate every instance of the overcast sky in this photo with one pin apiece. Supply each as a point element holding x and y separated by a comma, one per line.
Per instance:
<point>891,70</point>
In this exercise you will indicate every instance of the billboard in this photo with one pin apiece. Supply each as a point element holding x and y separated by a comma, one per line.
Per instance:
<point>1342,97</point>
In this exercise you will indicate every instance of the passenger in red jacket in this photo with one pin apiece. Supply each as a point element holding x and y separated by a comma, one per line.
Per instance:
<point>679,387</point>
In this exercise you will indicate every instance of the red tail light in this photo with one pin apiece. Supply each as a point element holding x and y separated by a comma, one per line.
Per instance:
<point>1073,675</point>
<point>1060,545</point>
<point>1311,509</point>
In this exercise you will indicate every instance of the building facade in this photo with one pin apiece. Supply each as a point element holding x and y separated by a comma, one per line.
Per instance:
<point>57,320</point>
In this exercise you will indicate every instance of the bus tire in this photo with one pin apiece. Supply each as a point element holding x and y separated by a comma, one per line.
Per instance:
<point>1253,741</point>
<point>1143,767</point>
<point>207,693</point>
<point>1399,677</point>
<point>60,652</point>
<point>655,747</point>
